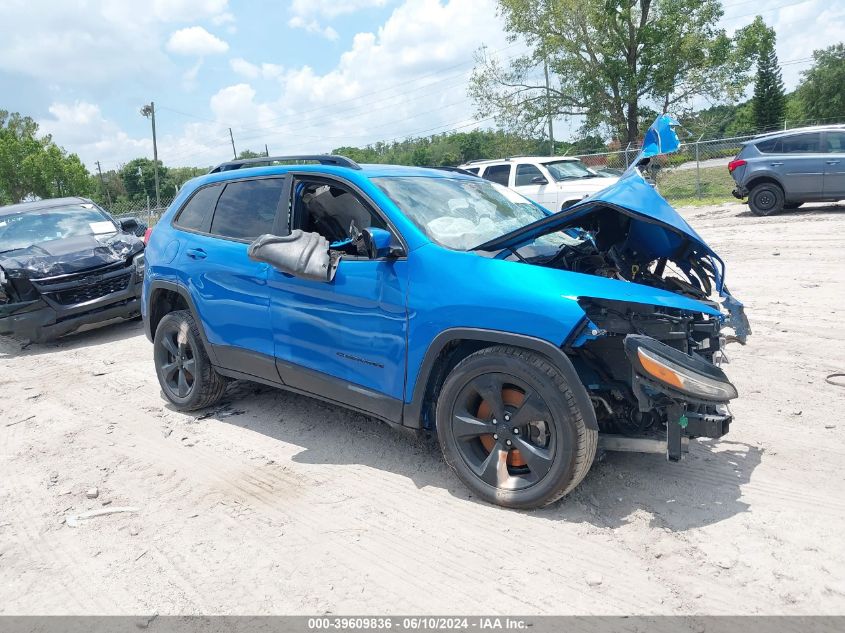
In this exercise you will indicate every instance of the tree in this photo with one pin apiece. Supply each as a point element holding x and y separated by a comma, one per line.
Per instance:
<point>608,60</point>
<point>33,166</point>
<point>769,102</point>
<point>821,91</point>
<point>248,153</point>
<point>139,179</point>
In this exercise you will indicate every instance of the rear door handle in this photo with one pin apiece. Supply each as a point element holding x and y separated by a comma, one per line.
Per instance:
<point>832,162</point>
<point>777,164</point>
<point>196,253</point>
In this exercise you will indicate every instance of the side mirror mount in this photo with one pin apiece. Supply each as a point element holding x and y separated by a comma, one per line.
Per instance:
<point>133,225</point>
<point>303,255</point>
<point>378,244</point>
<point>539,180</point>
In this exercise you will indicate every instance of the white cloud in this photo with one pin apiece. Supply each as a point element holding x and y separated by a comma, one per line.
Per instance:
<point>195,40</point>
<point>254,71</point>
<point>332,8</point>
<point>188,10</point>
<point>305,13</point>
<point>312,26</point>
<point>81,128</point>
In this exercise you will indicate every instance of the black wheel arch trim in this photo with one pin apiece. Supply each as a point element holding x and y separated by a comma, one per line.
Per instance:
<point>412,416</point>
<point>161,284</point>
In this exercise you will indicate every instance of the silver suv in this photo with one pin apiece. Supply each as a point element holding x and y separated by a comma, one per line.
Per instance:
<point>785,169</point>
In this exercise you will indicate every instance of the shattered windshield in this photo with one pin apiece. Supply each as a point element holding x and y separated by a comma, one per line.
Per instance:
<point>22,230</point>
<point>569,169</point>
<point>459,214</point>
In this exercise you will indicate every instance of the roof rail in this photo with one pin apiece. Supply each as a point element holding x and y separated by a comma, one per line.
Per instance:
<point>323,159</point>
<point>457,170</point>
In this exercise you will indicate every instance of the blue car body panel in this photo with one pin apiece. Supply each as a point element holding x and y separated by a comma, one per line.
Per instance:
<point>374,324</point>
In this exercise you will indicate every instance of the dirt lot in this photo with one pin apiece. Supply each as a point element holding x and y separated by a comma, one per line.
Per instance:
<point>276,503</point>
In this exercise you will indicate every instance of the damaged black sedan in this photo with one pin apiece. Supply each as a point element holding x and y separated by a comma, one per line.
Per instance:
<point>64,264</point>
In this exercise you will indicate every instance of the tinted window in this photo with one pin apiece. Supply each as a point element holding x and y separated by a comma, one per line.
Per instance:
<point>247,209</point>
<point>473,170</point>
<point>772,146</point>
<point>836,142</point>
<point>526,173</point>
<point>498,173</point>
<point>196,213</point>
<point>801,144</point>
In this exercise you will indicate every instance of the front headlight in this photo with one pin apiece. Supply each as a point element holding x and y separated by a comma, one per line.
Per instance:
<point>139,262</point>
<point>691,375</point>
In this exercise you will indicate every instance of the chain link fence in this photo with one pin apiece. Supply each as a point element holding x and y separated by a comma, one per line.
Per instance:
<point>147,211</point>
<point>698,170</point>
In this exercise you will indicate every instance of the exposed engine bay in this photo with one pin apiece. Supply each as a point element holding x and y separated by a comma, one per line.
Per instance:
<point>609,242</point>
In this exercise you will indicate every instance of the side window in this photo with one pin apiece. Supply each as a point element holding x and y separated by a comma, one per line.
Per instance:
<point>196,214</point>
<point>474,170</point>
<point>772,146</point>
<point>801,144</point>
<point>331,210</point>
<point>525,173</point>
<point>247,209</point>
<point>836,142</point>
<point>498,173</point>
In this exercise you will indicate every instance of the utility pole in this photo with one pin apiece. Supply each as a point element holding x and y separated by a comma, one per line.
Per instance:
<point>266,151</point>
<point>150,111</point>
<point>234,151</point>
<point>549,107</point>
<point>103,183</point>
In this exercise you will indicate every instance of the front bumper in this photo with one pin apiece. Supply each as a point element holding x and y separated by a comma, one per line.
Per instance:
<point>72,301</point>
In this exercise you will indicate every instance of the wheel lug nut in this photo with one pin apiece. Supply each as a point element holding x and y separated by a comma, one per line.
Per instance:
<point>516,431</point>
<point>508,442</point>
<point>495,436</point>
<point>507,417</point>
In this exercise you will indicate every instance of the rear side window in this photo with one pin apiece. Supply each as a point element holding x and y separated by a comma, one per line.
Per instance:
<point>801,144</point>
<point>498,173</point>
<point>197,213</point>
<point>525,174</point>
<point>474,170</point>
<point>836,142</point>
<point>247,209</point>
<point>772,146</point>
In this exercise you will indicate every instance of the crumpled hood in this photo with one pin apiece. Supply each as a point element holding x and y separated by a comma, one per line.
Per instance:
<point>658,229</point>
<point>70,255</point>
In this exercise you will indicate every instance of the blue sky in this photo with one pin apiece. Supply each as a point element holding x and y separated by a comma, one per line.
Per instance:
<point>299,75</point>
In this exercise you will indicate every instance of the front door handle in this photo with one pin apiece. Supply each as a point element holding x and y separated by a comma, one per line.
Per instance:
<point>777,164</point>
<point>832,162</point>
<point>196,253</point>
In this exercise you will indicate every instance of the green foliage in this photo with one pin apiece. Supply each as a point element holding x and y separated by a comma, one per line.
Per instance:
<point>769,102</point>
<point>609,60</point>
<point>33,166</point>
<point>459,147</point>
<point>822,92</point>
<point>248,153</point>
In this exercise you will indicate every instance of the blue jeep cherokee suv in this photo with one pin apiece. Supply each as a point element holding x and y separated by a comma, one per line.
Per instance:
<point>442,302</point>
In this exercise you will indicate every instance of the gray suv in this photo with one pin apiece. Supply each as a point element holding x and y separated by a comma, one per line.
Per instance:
<point>785,169</point>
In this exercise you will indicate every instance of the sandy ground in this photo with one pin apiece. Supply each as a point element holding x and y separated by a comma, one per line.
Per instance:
<point>276,503</point>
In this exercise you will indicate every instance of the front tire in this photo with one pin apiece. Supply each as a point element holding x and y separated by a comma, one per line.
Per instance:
<point>187,378</point>
<point>766,199</point>
<point>510,428</point>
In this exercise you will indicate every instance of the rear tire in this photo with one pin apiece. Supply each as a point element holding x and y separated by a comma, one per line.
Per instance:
<point>523,454</point>
<point>184,370</point>
<point>766,199</point>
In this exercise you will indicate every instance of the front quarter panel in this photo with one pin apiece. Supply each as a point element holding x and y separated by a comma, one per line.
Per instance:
<point>451,289</point>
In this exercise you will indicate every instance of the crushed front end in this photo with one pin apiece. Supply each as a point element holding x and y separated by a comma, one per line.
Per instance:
<point>653,375</point>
